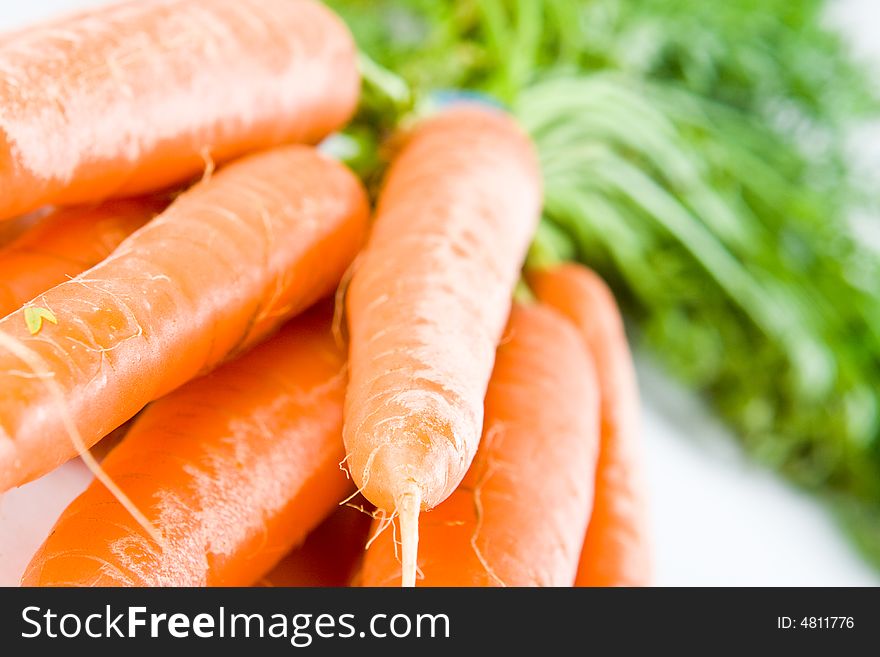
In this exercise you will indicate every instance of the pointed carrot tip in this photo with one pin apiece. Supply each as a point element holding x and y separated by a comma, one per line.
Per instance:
<point>408,507</point>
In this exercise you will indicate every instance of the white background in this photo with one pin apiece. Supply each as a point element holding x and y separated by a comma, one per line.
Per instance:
<point>716,518</point>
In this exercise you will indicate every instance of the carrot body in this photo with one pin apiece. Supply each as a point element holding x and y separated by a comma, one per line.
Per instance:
<point>233,469</point>
<point>429,300</point>
<point>65,244</point>
<point>125,99</point>
<point>520,514</point>
<point>616,548</point>
<point>216,272</point>
<point>13,229</point>
<point>329,556</point>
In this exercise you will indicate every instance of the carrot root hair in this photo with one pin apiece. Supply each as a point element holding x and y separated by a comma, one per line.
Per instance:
<point>385,521</point>
<point>41,371</point>
<point>478,526</point>
<point>210,165</point>
<point>409,505</point>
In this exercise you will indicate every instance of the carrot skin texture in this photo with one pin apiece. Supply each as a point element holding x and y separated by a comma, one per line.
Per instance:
<point>616,549</point>
<point>329,556</point>
<point>234,469</point>
<point>121,100</point>
<point>429,300</point>
<point>215,273</point>
<point>519,516</point>
<point>66,243</point>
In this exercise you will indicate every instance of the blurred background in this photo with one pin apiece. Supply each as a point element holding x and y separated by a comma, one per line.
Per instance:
<point>718,163</point>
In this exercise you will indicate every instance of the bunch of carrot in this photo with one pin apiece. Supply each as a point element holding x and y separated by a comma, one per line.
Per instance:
<point>490,442</point>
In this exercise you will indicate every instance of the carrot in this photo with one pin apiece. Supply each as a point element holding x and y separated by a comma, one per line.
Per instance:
<point>103,447</point>
<point>427,305</point>
<point>520,514</point>
<point>66,243</point>
<point>220,269</point>
<point>329,556</point>
<point>616,548</point>
<point>13,229</point>
<point>126,99</point>
<point>232,469</point>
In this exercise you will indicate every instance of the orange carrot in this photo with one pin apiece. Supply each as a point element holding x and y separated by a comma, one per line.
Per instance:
<point>65,244</point>
<point>427,305</point>
<point>130,98</point>
<point>13,229</point>
<point>216,272</point>
<point>329,556</point>
<point>616,549</point>
<point>520,514</point>
<point>233,470</point>
<point>103,447</point>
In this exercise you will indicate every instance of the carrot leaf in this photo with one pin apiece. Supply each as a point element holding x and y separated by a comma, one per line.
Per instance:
<point>34,316</point>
